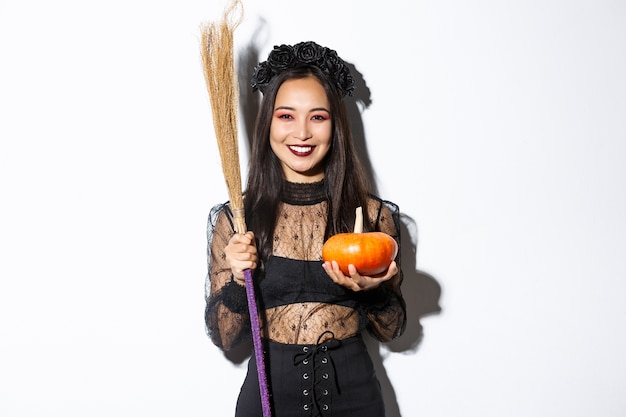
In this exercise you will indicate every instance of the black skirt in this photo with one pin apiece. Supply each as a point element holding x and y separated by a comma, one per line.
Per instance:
<point>334,378</point>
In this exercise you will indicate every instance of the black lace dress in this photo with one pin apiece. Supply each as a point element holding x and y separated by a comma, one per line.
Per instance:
<point>317,362</point>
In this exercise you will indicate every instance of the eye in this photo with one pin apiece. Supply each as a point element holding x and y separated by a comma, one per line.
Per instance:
<point>285,116</point>
<point>319,117</point>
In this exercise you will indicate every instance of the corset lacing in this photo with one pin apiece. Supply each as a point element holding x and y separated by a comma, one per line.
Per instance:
<point>319,372</point>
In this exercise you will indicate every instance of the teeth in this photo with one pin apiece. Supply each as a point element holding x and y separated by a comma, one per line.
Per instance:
<point>301,149</point>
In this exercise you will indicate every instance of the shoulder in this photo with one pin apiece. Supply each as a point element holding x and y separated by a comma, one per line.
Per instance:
<point>377,205</point>
<point>384,214</point>
<point>220,214</point>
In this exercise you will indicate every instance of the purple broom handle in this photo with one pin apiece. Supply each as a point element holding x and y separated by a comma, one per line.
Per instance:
<point>258,347</point>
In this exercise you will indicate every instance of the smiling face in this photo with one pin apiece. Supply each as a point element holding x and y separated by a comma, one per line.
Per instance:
<point>301,129</point>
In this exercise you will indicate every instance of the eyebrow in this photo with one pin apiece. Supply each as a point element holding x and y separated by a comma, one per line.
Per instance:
<point>311,110</point>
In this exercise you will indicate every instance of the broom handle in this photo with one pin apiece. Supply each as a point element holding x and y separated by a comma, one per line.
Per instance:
<point>258,347</point>
<point>240,227</point>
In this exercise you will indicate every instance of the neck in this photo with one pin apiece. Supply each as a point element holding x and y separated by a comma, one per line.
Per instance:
<point>303,193</point>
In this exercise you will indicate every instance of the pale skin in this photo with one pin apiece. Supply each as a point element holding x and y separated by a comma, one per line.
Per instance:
<point>300,136</point>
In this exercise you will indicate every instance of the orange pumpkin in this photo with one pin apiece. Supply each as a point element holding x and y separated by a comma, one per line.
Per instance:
<point>371,253</point>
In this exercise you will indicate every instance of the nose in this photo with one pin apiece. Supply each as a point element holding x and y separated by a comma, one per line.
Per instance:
<point>302,131</point>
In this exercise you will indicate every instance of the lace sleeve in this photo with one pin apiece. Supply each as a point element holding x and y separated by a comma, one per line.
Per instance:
<point>226,314</point>
<point>385,307</point>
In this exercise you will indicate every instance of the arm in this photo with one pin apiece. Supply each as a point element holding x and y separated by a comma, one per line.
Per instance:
<point>384,306</point>
<point>226,315</point>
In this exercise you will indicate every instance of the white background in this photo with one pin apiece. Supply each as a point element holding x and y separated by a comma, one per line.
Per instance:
<point>499,127</point>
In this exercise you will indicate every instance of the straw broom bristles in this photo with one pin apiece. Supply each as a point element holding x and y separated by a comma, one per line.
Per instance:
<point>219,74</point>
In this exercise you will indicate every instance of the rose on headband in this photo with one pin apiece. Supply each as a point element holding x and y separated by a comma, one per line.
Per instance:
<point>308,52</point>
<point>281,58</point>
<point>345,82</point>
<point>261,77</point>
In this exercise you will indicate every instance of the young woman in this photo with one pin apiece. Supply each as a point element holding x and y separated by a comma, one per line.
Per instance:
<point>304,185</point>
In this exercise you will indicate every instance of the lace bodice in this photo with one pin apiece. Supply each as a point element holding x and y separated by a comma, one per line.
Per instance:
<point>298,302</point>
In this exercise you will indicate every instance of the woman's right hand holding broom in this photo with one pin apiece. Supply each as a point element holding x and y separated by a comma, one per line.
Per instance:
<point>242,254</point>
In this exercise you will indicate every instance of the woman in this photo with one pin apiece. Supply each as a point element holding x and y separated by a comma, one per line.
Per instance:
<point>304,185</point>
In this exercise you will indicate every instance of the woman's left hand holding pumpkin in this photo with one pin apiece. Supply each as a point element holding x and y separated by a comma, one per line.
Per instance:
<point>356,281</point>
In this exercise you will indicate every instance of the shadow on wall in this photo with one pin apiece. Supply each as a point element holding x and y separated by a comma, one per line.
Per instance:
<point>421,291</point>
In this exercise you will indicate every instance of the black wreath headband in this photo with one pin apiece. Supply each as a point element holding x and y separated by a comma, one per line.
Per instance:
<point>309,53</point>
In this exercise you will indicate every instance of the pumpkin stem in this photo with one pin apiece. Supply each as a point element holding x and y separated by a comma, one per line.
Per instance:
<point>358,220</point>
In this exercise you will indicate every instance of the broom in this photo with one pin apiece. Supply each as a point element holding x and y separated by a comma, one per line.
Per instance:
<point>219,73</point>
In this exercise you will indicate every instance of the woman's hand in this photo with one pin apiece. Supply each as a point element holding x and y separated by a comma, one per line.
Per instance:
<point>241,253</point>
<point>357,282</point>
